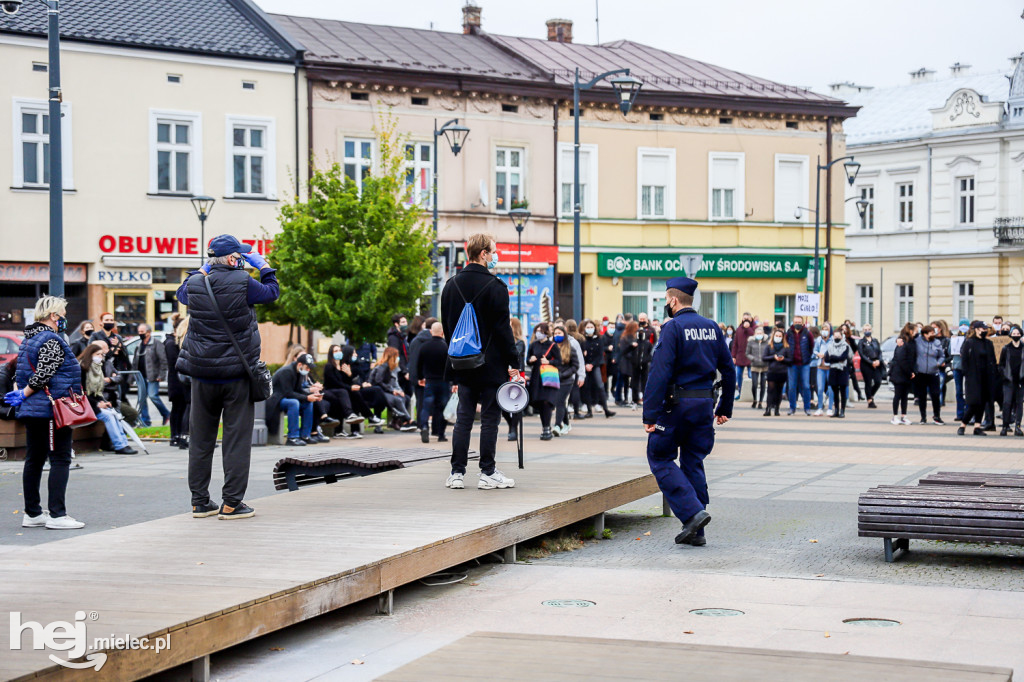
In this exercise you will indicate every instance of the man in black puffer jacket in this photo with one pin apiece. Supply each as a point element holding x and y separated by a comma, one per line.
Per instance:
<point>220,377</point>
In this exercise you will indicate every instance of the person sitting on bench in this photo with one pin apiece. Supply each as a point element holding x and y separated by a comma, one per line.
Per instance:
<point>101,391</point>
<point>290,398</point>
<point>385,377</point>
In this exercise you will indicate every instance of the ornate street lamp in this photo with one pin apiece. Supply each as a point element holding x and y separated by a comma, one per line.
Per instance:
<point>203,206</point>
<point>519,218</point>
<point>456,135</point>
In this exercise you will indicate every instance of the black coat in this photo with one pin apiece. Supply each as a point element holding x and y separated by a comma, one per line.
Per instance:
<point>414,351</point>
<point>208,352</point>
<point>778,369</point>
<point>397,340</point>
<point>593,351</point>
<point>978,364</point>
<point>629,362</point>
<point>538,392</point>
<point>175,389</point>
<point>904,360</point>
<point>490,301</point>
<point>287,383</point>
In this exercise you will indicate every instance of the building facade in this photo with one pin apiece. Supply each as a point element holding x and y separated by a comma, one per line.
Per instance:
<point>943,172</point>
<point>149,122</point>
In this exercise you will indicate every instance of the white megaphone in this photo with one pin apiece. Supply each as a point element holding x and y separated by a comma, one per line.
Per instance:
<point>513,397</point>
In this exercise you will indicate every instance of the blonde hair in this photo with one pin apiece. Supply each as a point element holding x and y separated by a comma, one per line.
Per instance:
<point>294,352</point>
<point>517,328</point>
<point>477,243</point>
<point>50,305</point>
<point>181,329</point>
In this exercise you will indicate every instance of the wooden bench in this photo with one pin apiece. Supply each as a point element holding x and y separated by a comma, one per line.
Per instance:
<point>558,658</point>
<point>326,466</point>
<point>12,439</point>
<point>968,478</point>
<point>951,513</point>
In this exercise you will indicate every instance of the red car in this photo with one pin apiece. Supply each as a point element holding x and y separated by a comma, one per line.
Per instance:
<point>9,344</point>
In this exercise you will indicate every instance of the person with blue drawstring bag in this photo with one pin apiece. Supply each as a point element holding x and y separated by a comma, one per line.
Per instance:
<point>482,356</point>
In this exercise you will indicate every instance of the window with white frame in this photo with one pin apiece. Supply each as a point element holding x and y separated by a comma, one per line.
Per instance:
<point>32,144</point>
<point>588,180</point>
<point>358,159</point>
<point>656,183</point>
<point>509,170</point>
<point>865,304</point>
<point>965,200</point>
<point>719,306</point>
<point>419,171</point>
<point>791,187</point>
<point>867,221</point>
<point>725,172</point>
<point>963,300</point>
<point>905,204</point>
<point>249,160</point>
<point>904,304</point>
<point>175,166</point>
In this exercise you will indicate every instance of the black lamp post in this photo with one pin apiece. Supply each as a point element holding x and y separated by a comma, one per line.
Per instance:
<point>852,168</point>
<point>203,206</point>
<point>456,135</point>
<point>11,7</point>
<point>519,217</point>
<point>626,88</point>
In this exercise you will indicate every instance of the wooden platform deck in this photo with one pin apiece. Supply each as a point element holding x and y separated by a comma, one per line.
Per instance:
<point>557,659</point>
<point>212,584</point>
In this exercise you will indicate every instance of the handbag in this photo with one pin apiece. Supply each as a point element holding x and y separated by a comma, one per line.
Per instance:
<point>72,410</point>
<point>260,386</point>
<point>549,373</point>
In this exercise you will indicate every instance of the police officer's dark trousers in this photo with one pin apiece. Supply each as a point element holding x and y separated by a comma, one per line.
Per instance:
<point>209,401</point>
<point>686,433</point>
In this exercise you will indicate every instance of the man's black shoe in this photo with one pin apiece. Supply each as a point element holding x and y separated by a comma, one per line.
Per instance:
<point>697,541</point>
<point>511,436</point>
<point>978,431</point>
<point>1017,431</point>
<point>183,444</point>
<point>989,427</point>
<point>442,439</point>
<point>692,525</point>
<point>312,440</point>
<point>174,441</point>
<point>295,442</point>
<point>242,511</point>
<point>608,414</point>
<point>961,431</point>
<point>329,421</point>
<point>425,435</point>
<point>201,511</point>
<point>1005,431</point>
<point>126,451</point>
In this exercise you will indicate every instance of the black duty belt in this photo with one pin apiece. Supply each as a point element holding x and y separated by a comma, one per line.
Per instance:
<point>679,393</point>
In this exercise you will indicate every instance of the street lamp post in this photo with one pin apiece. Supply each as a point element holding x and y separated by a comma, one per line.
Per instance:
<point>203,206</point>
<point>11,7</point>
<point>519,217</point>
<point>852,168</point>
<point>626,88</point>
<point>456,136</point>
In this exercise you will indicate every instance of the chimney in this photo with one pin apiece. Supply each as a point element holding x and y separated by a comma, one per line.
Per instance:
<point>959,69</point>
<point>470,19</point>
<point>922,75</point>
<point>560,30</point>
<point>847,89</point>
<point>1015,59</point>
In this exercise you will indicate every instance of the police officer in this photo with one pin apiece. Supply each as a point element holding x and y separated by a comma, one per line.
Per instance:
<point>679,406</point>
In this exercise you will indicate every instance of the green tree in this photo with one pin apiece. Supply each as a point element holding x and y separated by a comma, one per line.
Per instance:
<point>347,259</point>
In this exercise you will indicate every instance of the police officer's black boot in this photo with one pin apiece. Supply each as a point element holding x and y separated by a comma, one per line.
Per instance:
<point>546,434</point>
<point>1017,431</point>
<point>767,412</point>
<point>692,525</point>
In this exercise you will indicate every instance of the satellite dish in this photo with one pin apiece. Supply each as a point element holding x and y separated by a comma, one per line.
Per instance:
<point>484,199</point>
<point>513,397</point>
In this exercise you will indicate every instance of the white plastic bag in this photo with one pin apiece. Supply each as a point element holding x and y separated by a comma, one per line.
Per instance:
<point>451,409</point>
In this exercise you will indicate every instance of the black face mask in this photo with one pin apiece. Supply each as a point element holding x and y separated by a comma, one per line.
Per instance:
<point>668,311</point>
<point>109,326</point>
<point>798,327</point>
<point>643,324</point>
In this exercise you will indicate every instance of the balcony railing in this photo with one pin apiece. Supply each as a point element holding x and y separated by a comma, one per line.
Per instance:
<point>1009,231</point>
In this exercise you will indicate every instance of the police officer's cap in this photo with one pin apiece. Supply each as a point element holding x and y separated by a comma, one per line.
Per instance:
<point>684,284</point>
<point>225,245</point>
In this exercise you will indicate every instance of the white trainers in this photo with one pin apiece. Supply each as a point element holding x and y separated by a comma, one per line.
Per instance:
<point>35,522</point>
<point>64,523</point>
<point>818,412</point>
<point>896,421</point>
<point>567,428</point>
<point>455,482</point>
<point>830,412</point>
<point>495,480</point>
<point>906,422</point>
<point>353,419</point>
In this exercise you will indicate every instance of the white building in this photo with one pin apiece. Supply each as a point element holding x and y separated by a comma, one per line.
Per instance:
<point>942,167</point>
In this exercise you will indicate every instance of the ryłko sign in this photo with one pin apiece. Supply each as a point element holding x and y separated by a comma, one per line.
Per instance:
<point>732,265</point>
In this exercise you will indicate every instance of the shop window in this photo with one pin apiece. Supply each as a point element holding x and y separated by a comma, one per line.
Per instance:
<point>719,306</point>
<point>509,169</point>
<point>643,295</point>
<point>358,160</point>
<point>130,310</point>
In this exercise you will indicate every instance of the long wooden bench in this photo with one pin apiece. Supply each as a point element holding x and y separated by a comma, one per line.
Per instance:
<point>326,466</point>
<point>969,478</point>
<point>558,658</point>
<point>951,513</point>
<point>12,439</point>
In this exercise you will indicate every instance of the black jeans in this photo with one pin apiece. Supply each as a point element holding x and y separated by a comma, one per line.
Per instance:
<point>435,396</point>
<point>490,416</point>
<point>838,382</point>
<point>561,407</point>
<point>775,385</point>
<point>1013,397</point>
<point>759,386</point>
<point>901,393</point>
<point>179,425</point>
<point>209,402</point>
<point>872,380</point>
<point>45,441</point>
<point>925,385</point>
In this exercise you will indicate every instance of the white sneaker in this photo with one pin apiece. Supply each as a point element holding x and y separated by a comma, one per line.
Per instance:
<point>818,412</point>
<point>567,428</point>
<point>35,522</point>
<point>376,421</point>
<point>896,421</point>
<point>64,523</point>
<point>353,419</point>
<point>495,480</point>
<point>598,409</point>
<point>556,430</point>
<point>455,482</point>
<point>906,422</point>
<point>830,412</point>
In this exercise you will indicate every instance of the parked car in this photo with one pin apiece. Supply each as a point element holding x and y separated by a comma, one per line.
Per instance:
<point>9,344</point>
<point>131,343</point>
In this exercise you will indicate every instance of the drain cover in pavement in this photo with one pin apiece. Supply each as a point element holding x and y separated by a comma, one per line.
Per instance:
<point>569,603</point>
<point>872,622</point>
<point>716,612</point>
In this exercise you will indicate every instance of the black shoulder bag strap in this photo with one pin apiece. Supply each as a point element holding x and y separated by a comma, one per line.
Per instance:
<point>227,330</point>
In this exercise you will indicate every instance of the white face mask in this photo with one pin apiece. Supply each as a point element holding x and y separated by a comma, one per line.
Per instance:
<point>590,331</point>
<point>778,339</point>
<point>303,372</point>
<point>758,336</point>
<point>97,359</point>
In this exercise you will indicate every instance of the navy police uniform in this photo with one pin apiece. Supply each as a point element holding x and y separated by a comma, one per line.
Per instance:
<point>679,401</point>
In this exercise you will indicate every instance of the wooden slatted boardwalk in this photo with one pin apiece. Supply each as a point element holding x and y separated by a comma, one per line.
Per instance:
<point>212,584</point>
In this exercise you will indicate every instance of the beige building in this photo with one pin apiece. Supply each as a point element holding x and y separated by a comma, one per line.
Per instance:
<point>148,124</point>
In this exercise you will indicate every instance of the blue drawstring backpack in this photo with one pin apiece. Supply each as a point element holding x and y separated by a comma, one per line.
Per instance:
<point>465,351</point>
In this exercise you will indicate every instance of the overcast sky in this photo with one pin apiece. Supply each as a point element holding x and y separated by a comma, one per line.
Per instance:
<point>797,42</point>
